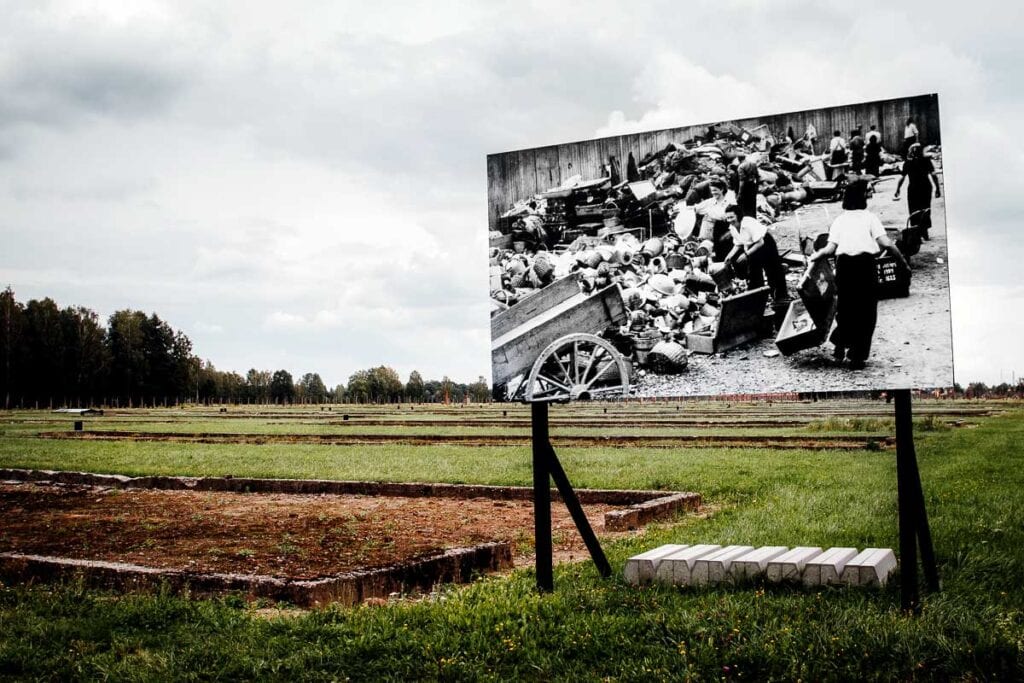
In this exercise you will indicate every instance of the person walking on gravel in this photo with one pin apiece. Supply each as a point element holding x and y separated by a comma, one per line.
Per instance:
<point>919,172</point>
<point>856,238</point>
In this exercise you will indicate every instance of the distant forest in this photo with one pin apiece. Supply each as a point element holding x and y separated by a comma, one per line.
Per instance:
<point>65,357</point>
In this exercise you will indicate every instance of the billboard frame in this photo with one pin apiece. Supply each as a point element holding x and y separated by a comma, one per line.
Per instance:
<point>914,531</point>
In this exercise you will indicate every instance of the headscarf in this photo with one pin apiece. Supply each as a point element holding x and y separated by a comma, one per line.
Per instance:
<point>914,151</point>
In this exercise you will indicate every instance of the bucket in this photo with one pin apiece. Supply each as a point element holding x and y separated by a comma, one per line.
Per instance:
<point>675,261</point>
<point>722,274</point>
<point>642,345</point>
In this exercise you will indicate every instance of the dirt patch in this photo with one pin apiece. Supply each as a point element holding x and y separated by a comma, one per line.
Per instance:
<point>279,535</point>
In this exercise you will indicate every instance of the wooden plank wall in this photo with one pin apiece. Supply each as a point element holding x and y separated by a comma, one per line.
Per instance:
<point>512,176</point>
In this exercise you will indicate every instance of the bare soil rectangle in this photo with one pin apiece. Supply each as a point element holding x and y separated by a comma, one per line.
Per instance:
<point>279,535</point>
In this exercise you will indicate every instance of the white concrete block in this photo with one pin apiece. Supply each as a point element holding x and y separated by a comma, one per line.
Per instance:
<point>714,568</point>
<point>676,568</point>
<point>789,566</point>
<point>871,567</point>
<point>825,569</point>
<point>756,561</point>
<point>641,568</point>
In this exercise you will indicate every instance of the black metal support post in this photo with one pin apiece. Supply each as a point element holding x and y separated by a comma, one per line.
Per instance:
<point>541,497</point>
<point>572,502</point>
<point>913,517</point>
<point>546,467</point>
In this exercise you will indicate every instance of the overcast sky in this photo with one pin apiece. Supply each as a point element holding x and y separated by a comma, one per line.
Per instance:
<point>302,185</point>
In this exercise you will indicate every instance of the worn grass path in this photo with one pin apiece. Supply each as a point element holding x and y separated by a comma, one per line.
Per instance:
<point>589,628</point>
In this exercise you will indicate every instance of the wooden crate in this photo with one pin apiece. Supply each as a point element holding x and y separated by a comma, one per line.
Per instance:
<point>893,281</point>
<point>740,321</point>
<point>799,331</point>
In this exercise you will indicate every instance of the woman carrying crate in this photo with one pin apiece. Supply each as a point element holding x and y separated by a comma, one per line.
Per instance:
<point>856,238</point>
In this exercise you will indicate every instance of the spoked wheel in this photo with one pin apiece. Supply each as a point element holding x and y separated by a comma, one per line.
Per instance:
<point>578,367</point>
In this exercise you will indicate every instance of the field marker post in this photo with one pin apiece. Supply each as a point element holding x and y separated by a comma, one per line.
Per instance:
<point>546,466</point>
<point>913,517</point>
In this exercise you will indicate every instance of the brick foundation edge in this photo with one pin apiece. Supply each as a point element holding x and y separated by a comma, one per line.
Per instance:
<point>458,565</point>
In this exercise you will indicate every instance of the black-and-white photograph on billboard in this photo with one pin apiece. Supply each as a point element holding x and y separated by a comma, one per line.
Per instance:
<point>798,252</point>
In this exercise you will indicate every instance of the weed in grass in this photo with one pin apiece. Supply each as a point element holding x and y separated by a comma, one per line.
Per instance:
<point>143,545</point>
<point>851,424</point>
<point>523,543</point>
<point>931,423</point>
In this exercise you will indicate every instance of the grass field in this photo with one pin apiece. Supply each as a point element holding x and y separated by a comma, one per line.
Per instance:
<point>590,628</point>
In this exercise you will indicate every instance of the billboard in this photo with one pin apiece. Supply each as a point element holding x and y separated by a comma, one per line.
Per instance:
<point>793,252</point>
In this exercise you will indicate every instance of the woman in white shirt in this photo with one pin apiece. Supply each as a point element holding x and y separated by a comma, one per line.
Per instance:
<point>712,210</point>
<point>752,240</point>
<point>836,155</point>
<point>910,134</point>
<point>856,238</point>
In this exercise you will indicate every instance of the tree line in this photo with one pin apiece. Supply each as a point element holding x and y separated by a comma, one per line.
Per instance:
<point>982,390</point>
<point>53,357</point>
<point>383,385</point>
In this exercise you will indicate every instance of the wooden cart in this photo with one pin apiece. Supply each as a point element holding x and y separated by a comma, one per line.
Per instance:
<point>547,348</point>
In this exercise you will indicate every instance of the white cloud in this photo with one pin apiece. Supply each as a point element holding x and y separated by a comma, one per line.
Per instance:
<point>685,93</point>
<point>287,321</point>
<point>207,328</point>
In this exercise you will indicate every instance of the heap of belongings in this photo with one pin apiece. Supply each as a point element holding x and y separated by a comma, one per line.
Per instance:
<point>643,232</point>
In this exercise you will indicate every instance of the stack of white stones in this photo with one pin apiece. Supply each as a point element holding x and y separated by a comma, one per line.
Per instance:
<point>700,565</point>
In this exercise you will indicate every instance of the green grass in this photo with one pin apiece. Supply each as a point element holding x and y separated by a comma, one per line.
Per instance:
<point>251,427</point>
<point>278,426</point>
<point>723,471</point>
<point>875,425</point>
<point>589,629</point>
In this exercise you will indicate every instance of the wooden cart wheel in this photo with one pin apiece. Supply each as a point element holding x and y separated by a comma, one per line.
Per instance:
<point>578,367</point>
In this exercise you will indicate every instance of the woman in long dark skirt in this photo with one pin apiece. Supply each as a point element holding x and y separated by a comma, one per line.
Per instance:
<point>873,157</point>
<point>856,238</point>
<point>919,172</point>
